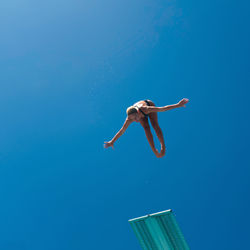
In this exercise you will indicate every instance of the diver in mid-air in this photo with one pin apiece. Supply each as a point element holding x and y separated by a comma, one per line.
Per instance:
<point>140,112</point>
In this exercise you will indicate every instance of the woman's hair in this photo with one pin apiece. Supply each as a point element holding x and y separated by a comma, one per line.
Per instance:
<point>131,110</point>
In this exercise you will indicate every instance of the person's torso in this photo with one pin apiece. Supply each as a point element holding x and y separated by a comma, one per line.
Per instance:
<point>140,106</point>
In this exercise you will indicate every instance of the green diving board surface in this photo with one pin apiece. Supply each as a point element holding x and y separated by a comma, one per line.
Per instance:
<point>159,231</point>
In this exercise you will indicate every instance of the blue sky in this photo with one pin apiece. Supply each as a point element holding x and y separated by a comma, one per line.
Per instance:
<point>69,70</point>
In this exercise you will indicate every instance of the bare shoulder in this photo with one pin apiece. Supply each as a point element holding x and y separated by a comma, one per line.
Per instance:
<point>150,109</point>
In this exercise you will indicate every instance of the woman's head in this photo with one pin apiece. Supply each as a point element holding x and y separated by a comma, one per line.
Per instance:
<point>132,113</point>
<point>131,110</point>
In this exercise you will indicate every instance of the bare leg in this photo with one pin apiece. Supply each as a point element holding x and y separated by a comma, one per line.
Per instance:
<point>145,124</point>
<point>154,121</point>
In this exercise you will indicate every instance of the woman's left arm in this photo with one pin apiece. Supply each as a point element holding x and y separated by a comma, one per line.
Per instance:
<point>151,109</point>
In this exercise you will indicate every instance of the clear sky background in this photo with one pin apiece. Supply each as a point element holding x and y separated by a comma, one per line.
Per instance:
<point>69,70</point>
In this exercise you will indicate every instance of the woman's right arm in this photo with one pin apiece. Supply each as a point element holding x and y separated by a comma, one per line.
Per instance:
<point>118,134</point>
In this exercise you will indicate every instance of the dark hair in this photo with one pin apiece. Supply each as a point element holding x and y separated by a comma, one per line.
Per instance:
<point>131,110</point>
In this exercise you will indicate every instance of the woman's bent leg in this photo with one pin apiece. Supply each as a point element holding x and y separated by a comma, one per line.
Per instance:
<point>154,121</point>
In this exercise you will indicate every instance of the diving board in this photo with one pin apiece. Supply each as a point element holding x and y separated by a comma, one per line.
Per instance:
<point>159,231</point>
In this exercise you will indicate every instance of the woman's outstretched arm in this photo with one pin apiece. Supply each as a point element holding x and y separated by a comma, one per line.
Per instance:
<point>151,109</point>
<point>118,134</point>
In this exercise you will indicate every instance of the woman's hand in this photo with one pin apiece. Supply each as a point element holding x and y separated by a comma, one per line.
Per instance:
<point>182,103</point>
<point>108,144</point>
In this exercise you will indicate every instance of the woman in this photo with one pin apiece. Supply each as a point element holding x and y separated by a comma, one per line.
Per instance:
<point>140,112</point>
